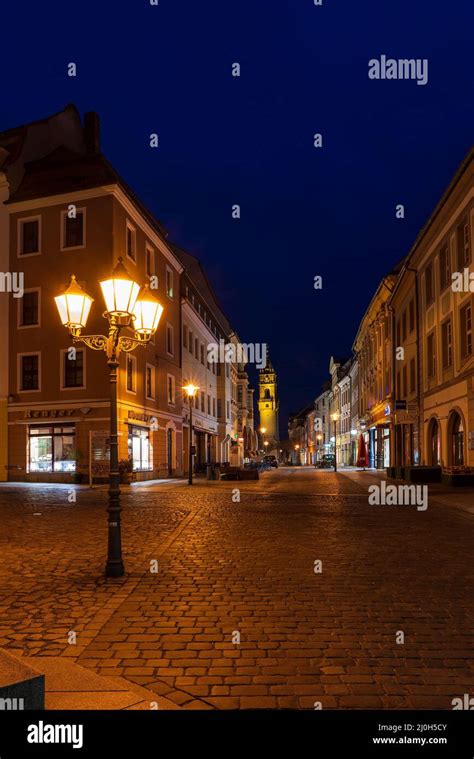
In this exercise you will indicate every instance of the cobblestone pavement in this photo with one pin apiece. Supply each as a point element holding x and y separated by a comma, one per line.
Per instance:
<point>226,567</point>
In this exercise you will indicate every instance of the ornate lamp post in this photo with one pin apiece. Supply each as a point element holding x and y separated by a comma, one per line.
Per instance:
<point>126,307</point>
<point>335,417</point>
<point>190,391</point>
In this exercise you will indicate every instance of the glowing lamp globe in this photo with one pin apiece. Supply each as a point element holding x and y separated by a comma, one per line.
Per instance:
<point>146,313</point>
<point>190,390</point>
<point>73,305</point>
<point>120,292</point>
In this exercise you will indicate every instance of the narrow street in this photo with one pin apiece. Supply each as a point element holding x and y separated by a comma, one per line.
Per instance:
<point>327,633</point>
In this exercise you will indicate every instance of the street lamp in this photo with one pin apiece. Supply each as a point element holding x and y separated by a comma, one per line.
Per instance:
<point>262,432</point>
<point>190,391</point>
<point>127,306</point>
<point>335,417</point>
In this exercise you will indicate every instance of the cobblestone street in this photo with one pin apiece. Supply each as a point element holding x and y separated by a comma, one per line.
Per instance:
<point>248,567</point>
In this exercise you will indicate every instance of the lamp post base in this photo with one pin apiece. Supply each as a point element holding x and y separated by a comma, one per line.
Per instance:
<point>114,569</point>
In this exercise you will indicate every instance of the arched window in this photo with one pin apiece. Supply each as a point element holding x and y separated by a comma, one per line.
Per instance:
<point>434,443</point>
<point>455,440</point>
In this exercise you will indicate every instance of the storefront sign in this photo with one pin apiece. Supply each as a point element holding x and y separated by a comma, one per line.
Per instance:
<point>405,417</point>
<point>387,410</point>
<point>51,414</point>
<point>148,418</point>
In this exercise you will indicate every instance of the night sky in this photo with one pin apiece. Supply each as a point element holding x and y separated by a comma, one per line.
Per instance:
<point>249,140</point>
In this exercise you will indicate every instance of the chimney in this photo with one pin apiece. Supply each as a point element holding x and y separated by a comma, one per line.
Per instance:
<point>92,133</point>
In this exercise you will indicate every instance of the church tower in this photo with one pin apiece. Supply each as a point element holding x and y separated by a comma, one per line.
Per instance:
<point>268,404</point>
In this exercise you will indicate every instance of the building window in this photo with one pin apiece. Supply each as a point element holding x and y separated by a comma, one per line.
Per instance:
<point>73,369</point>
<point>228,409</point>
<point>149,261</point>
<point>29,371</point>
<point>139,448</point>
<point>51,449</point>
<point>429,285</point>
<point>412,375</point>
<point>202,354</point>
<point>213,407</point>
<point>171,389</point>
<point>219,408</point>
<point>444,267</point>
<point>431,355</point>
<point>28,307</point>
<point>463,244</point>
<point>196,348</point>
<point>150,381</point>
<point>209,405</point>
<point>404,326</point>
<point>131,368</point>
<point>447,344</point>
<point>131,242</point>
<point>169,340</point>
<point>185,335</point>
<point>466,331</point>
<point>29,236</point>
<point>73,230</point>
<point>411,316</point>
<point>203,401</point>
<point>169,282</point>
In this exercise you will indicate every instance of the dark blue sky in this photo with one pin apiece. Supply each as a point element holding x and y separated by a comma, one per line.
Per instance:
<point>248,140</point>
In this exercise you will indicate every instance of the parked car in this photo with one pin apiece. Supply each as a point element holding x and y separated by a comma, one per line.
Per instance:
<point>327,461</point>
<point>270,460</point>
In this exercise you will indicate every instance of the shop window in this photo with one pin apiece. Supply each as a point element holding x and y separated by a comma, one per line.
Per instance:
<point>29,236</point>
<point>73,231</point>
<point>29,371</point>
<point>29,309</point>
<point>51,449</point>
<point>139,448</point>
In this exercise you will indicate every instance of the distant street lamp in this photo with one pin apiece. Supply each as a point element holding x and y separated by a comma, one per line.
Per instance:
<point>127,306</point>
<point>190,391</point>
<point>335,417</point>
<point>262,432</point>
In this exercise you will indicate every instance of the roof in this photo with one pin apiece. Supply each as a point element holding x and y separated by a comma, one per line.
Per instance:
<point>197,275</point>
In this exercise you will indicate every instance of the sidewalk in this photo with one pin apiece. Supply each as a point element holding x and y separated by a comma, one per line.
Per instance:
<point>458,498</point>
